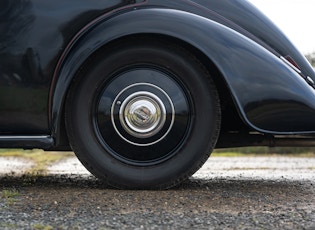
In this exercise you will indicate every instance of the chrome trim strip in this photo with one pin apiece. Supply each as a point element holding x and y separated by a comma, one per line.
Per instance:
<point>310,80</point>
<point>25,137</point>
<point>290,64</point>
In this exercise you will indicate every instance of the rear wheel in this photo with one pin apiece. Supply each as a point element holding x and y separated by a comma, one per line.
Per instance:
<point>143,114</point>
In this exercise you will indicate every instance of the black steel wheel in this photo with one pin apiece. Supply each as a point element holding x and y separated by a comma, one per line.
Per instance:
<point>143,114</point>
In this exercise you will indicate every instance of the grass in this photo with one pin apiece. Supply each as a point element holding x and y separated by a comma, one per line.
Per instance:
<point>241,154</point>
<point>42,227</point>
<point>9,195</point>
<point>6,193</point>
<point>266,151</point>
<point>8,226</point>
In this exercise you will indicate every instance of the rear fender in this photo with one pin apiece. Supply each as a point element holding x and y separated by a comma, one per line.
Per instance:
<point>269,95</point>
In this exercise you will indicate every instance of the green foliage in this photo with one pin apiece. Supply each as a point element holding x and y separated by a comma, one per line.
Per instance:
<point>311,58</point>
<point>9,193</point>
<point>42,227</point>
<point>301,151</point>
<point>8,226</point>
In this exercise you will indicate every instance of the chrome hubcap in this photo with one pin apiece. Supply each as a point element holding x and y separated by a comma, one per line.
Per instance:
<point>142,114</point>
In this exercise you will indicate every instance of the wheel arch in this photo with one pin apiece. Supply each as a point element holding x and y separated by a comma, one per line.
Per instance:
<point>235,60</point>
<point>82,50</point>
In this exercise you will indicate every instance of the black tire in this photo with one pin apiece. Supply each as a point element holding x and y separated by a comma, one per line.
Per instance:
<point>143,114</point>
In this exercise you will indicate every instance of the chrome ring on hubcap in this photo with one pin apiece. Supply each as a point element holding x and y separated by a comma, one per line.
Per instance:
<point>142,114</point>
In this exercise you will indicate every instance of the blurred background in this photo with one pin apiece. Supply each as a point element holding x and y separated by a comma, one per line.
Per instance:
<point>294,18</point>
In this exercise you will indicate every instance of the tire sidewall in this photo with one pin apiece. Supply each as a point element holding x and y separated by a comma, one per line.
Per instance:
<point>201,136</point>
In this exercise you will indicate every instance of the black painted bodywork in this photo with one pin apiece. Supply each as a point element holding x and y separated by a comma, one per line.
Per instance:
<point>44,43</point>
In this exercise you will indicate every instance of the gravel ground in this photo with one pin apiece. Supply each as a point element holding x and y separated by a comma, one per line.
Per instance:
<point>227,193</point>
<point>14,165</point>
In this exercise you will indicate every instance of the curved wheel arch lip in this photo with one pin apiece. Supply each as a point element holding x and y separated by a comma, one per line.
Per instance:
<point>243,17</point>
<point>257,79</point>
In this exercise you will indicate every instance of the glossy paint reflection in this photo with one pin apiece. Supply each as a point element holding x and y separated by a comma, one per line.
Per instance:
<point>33,36</point>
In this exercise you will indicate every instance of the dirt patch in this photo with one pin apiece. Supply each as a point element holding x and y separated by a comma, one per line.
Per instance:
<point>214,198</point>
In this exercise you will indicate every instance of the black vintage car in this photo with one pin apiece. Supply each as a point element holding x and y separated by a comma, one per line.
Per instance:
<point>143,90</point>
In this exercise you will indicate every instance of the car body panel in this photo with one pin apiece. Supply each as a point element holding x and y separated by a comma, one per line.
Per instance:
<point>253,24</point>
<point>33,36</point>
<point>44,44</point>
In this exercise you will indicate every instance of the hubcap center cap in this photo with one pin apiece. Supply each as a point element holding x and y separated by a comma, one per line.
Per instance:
<point>142,114</point>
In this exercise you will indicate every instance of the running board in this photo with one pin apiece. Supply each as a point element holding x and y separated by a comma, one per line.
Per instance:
<point>27,142</point>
